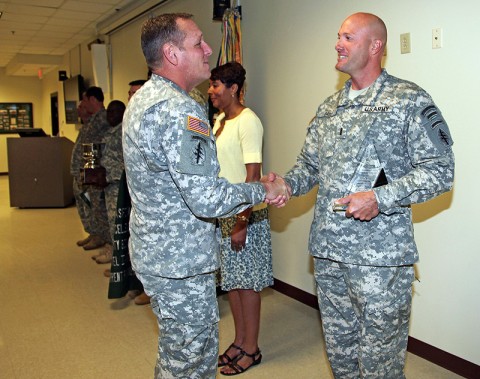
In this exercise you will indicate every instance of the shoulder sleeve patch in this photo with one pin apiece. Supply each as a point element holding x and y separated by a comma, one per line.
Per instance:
<point>437,129</point>
<point>197,151</point>
<point>197,126</point>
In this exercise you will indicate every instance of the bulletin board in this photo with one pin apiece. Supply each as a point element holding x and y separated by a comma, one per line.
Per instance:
<point>15,116</point>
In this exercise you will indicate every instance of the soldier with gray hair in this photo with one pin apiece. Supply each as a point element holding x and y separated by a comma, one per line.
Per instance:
<point>172,175</point>
<point>374,148</point>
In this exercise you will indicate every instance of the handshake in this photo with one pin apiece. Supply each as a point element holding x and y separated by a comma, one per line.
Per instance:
<point>278,191</point>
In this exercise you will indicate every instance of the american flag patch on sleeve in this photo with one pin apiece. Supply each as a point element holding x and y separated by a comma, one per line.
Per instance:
<point>197,126</point>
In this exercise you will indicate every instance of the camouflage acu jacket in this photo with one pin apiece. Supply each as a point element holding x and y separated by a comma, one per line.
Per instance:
<point>172,174</point>
<point>112,156</point>
<point>77,162</point>
<point>413,144</point>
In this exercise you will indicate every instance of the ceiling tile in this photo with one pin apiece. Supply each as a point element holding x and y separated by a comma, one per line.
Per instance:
<point>68,23</point>
<point>23,18</point>
<point>40,3</point>
<point>19,26</point>
<point>76,15</point>
<point>28,10</point>
<point>81,6</point>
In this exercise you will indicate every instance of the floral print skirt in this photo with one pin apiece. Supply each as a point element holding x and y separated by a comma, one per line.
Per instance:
<point>250,268</point>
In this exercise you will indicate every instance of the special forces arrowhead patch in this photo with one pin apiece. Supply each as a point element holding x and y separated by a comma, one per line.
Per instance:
<point>198,153</point>
<point>436,126</point>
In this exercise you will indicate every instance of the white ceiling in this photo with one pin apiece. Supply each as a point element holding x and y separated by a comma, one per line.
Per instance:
<point>35,34</point>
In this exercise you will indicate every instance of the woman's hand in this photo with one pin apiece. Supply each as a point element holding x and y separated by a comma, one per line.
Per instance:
<point>238,236</point>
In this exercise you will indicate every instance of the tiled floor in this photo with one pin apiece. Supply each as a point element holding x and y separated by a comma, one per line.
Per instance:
<point>56,320</point>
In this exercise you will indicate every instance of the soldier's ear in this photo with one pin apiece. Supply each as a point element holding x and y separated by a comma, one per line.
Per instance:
<point>170,53</point>
<point>376,47</point>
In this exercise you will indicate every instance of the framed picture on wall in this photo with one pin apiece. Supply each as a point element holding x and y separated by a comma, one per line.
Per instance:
<point>15,116</point>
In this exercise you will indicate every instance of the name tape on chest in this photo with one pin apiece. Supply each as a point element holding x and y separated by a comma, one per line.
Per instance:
<point>377,109</point>
<point>197,126</point>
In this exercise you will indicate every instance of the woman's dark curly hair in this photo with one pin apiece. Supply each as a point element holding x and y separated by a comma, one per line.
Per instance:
<point>229,74</point>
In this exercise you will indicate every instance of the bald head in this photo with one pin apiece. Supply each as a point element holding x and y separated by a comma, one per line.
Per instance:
<point>373,26</point>
<point>360,46</point>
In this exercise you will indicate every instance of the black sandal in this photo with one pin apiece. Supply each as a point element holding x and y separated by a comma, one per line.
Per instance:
<point>225,359</point>
<point>239,369</point>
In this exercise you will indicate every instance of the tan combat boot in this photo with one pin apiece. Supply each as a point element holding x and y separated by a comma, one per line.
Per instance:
<point>94,243</point>
<point>84,241</point>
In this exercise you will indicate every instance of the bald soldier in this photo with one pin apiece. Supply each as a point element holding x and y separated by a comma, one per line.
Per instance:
<point>374,148</point>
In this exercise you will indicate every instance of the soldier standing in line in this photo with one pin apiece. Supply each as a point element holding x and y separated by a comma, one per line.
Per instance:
<point>98,126</point>
<point>112,161</point>
<point>124,281</point>
<point>82,202</point>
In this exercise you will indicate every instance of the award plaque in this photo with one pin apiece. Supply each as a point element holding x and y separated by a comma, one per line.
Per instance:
<point>93,173</point>
<point>368,174</point>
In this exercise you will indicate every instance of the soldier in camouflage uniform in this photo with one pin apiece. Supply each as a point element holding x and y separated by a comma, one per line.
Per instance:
<point>76,163</point>
<point>172,175</point>
<point>364,255</point>
<point>98,126</point>
<point>112,161</point>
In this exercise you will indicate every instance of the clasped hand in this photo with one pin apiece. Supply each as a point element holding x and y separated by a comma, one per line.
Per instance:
<point>278,191</point>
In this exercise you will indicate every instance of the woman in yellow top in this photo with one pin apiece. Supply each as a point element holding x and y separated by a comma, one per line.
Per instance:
<point>246,251</point>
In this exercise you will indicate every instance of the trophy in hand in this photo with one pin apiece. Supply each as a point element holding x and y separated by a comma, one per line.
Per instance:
<point>93,173</point>
<point>368,174</point>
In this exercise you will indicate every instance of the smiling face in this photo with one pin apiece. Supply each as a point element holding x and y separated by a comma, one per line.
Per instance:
<point>193,54</point>
<point>353,45</point>
<point>220,95</point>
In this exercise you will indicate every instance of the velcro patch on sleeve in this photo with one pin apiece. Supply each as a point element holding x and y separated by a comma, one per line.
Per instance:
<point>197,126</point>
<point>197,150</point>
<point>437,128</point>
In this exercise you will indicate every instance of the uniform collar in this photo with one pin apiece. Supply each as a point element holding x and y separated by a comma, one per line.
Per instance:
<point>161,80</point>
<point>368,98</point>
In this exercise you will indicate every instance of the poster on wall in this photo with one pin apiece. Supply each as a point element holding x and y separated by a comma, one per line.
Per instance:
<point>71,115</point>
<point>15,116</point>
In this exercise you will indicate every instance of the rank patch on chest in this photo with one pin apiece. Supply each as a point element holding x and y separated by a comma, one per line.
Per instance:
<point>198,126</point>
<point>376,109</point>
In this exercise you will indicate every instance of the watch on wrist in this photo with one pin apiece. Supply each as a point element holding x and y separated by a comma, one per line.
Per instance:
<point>242,218</point>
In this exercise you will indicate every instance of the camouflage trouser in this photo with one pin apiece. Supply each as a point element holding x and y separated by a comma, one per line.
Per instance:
<point>365,313</point>
<point>187,315</point>
<point>99,218</point>
<point>84,209</point>
<point>111,197</point>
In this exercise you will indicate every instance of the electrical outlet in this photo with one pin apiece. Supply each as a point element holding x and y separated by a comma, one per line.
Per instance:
<point>437,38</point>
<point>405,47</point>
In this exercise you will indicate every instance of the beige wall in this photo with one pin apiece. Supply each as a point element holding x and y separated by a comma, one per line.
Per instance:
<point>23,89</point>
<point>20,89</point>
<point>289,58</point>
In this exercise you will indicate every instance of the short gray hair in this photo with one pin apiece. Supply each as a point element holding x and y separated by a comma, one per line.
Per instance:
<point>159,30</point>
